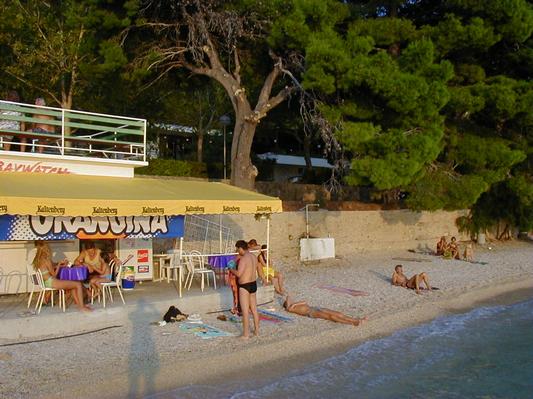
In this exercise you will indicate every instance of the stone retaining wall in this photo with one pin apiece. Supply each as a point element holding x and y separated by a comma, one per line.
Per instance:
<point>354,231</point>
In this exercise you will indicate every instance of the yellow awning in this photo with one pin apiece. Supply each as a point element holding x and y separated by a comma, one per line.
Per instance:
<point>78,195</point>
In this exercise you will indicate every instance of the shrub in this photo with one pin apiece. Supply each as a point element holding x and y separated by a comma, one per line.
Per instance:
<point>173,167</point>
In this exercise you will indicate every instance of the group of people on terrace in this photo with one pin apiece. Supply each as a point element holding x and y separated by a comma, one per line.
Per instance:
<point>8,125</point>
<point>451,250</point>
<point>97,263</point>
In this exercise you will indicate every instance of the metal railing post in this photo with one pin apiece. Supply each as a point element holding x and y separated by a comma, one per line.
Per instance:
<point>144,142</point>
<point>62,132</point>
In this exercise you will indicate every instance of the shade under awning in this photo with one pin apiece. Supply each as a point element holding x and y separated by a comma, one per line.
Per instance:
<point>79,195</point>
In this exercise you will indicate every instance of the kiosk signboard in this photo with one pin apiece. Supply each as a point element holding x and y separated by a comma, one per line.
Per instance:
<point>23,227</point>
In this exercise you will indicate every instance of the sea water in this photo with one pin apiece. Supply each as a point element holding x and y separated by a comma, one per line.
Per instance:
<point>485,353</point>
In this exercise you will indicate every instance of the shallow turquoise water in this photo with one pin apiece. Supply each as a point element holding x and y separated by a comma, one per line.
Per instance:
<point>485,353</point>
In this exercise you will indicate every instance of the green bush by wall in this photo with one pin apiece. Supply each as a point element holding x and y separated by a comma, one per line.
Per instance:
<point>173,167</point>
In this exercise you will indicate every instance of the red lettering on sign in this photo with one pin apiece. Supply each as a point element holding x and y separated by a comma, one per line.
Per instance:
<point>34,168</point>
<point>142,255</point>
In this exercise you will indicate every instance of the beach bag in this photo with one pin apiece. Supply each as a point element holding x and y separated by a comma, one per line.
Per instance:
<point>173,314</point>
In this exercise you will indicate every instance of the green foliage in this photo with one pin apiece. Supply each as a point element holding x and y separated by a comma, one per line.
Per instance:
<point>430,97</point>
<point>443,189</point>
<point>58,49</point>
<point>172,167</point>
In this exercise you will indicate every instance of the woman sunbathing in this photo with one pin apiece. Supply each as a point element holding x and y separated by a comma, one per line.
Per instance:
<point>303,309</point>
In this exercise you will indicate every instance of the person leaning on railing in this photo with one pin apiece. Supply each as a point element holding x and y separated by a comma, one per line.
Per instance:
<point>6,124</point>
<point>39,127</point>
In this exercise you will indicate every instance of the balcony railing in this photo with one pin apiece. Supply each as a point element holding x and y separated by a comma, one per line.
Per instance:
<point>70,132</point>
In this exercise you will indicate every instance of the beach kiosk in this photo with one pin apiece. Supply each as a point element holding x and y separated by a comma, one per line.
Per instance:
<point>83,187</point>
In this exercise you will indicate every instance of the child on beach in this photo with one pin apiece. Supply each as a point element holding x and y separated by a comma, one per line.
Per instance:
<point>275,275</point>
<point>303,309</point>
<point>468,255</point>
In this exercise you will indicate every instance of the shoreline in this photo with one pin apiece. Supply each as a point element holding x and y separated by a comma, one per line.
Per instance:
<point>274,363</point>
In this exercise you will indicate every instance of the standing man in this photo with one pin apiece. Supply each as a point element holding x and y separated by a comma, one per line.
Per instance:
<point>41,127</point>
<point>247,275</point>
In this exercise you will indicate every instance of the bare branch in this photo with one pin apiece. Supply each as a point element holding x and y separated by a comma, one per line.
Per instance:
<point>31,84</point>
<point>237,70</point>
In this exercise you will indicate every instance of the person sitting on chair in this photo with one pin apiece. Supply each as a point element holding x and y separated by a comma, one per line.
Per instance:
<point>103,273</point>
<point>303,309</point>
<point>399,279</point>
<point>49,269</point>
<point>92,258</point>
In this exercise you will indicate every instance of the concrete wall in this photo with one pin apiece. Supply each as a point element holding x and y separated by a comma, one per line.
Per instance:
<point>354,232</point>
<point>16,256</point>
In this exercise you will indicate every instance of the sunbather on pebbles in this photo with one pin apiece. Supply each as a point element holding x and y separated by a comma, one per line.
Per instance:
<point>399,279</point>
<point>303,309</point>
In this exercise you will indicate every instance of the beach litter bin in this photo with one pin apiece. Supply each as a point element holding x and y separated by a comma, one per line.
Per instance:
<point>128,278</point>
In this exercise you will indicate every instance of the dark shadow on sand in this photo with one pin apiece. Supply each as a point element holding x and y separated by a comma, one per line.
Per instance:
<point>143,359</point>
<point>382,276</point>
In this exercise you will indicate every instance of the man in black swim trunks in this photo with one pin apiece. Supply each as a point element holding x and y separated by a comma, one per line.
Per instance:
<point>247,275</point>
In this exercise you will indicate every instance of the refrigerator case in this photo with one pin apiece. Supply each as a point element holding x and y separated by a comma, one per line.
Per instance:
<point>141,251</point>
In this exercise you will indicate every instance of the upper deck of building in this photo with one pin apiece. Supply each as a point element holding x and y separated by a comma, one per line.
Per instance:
<point>89,142</point>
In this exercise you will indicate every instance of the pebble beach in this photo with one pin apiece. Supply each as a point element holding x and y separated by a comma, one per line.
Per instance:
<point>148,359</point>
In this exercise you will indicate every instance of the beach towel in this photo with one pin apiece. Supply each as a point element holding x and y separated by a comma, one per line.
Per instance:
<point>273,317</point>
<point>413,259</point>
<point>342,290</point>
<point>476,262</point>
<point>265,315</point>
<point>204,331</point>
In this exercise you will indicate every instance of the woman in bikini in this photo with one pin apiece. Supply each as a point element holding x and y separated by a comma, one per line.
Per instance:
<point>49,269</point>
<point>303,309</point>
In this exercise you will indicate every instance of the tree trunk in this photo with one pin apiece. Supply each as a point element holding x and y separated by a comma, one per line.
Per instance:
<point>307,154</point>
<point>200,146</point>
<point>243,172</point>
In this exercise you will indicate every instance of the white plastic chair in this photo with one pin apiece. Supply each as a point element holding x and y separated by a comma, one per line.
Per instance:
<point>106,287</point>
<point>44,290</point>
<point>171,269</point>
<point>35,287</point>
<point>195,265</point>
<point>32,276</point>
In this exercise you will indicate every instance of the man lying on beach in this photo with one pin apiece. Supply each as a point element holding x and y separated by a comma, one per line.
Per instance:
<point>399,279</point>
<point>303,309</point>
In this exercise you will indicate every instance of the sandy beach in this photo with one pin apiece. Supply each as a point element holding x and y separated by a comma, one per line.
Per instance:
<point>148,359</point>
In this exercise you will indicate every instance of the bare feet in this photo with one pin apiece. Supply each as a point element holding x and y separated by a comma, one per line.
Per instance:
<point>360,321</point>
<point>244,337</point>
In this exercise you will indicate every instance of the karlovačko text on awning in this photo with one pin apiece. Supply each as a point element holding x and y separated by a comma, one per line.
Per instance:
<point>72,195</point>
